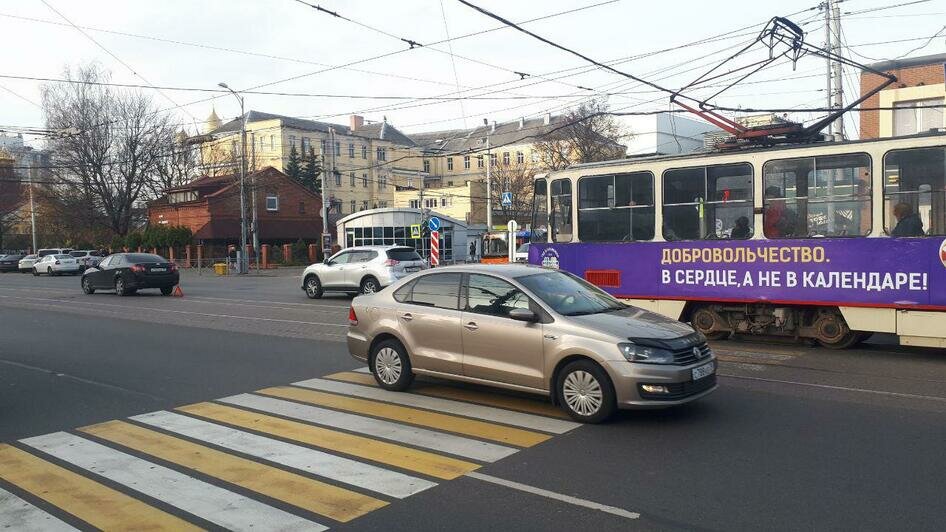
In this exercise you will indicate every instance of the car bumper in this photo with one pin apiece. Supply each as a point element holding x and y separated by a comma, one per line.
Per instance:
<point>66,268</point>
<point>678,380</point>
<point>9,267</point>
<point>26,267</point>
<point>358,345</point>
<point>154,281</point>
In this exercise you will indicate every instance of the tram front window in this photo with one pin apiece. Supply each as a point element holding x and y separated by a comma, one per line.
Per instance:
<point>915,192</point>
<point>561,216</point>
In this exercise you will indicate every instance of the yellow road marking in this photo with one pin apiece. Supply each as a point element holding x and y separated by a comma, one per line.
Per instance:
<point>318,497</point>
<point>424,418</point>
<point>98,505</point>
<point>423,462</point>
<point>456,393</point>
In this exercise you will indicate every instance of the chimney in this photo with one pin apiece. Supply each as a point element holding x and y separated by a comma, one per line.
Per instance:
<point>492,127</point>
<point>356,122</point>
<point>548,118</point>
<point>522,122</point>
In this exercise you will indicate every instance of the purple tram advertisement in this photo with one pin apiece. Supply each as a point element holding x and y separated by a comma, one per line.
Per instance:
<point>874,272</point>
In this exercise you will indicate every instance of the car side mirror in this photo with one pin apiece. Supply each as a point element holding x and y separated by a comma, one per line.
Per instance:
<point>523,314</point>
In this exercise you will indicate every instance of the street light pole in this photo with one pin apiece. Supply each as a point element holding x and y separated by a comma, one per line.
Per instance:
<point>32,211</point>
<point>489,181</point>
<point>244,263</point>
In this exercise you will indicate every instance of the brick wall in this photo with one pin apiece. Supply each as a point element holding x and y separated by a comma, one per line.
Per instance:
<point>227,204</point>
<point>907,77</point>
<point>191,215</point>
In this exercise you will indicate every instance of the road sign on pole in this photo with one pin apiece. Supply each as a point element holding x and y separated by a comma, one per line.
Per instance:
<point>434,248</point>
<point>506,199</point>
<point>434,223</point>
<point>415,231</point>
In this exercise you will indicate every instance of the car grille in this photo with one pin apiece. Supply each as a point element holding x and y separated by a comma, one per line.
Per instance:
<point>679,390</point>
<point>686,355</point>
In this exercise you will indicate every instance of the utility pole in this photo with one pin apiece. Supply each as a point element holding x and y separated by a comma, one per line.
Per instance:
<point>244,263</point>
<point>489,181</point>
<point>829,95</point>
<point>838,73</point>
<point>253,224</point>
<point>326,237</point>
<point>32,210</point>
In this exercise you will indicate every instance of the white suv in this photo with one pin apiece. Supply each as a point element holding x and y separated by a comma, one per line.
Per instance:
<point>361,270</point>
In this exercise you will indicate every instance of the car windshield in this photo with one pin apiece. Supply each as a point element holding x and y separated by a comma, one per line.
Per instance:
<point>569,295</point>
<point>31,257</point>
<point>136,258</point>
<point>403,254</point>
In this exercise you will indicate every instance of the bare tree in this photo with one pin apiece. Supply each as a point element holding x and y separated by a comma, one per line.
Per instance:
<point>178,168</point>
<point>585,134</point>
<point>517,179</point>
<point>120,138</point>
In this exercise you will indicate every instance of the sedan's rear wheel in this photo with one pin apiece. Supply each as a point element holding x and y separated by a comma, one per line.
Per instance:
<point>87,286</point>
<point>391,366</point>
<point>120,287</point>
<point>585,392</point>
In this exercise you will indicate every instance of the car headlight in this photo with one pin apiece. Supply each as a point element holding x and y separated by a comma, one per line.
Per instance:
<point>645,354</point>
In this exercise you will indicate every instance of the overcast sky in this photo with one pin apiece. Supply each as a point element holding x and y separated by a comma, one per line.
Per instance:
<point>302,41</point>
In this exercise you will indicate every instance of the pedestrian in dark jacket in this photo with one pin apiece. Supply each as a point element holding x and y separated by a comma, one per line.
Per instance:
<point>908,222</point>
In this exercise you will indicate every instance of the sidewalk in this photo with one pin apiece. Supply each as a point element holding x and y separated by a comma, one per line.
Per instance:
<point>283,271</point>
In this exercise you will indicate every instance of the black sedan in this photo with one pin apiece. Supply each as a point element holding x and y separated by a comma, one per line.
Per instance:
<point>126,273</point>
<point>10,263</point>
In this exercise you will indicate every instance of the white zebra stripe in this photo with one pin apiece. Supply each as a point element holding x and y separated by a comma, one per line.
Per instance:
<point>217,505</point>
<point>333,467</point>
<point>446,406</point>
<point>21,516</point>
<point>429,439</point>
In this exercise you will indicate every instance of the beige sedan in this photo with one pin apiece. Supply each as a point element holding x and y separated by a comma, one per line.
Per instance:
<point>530,329</point>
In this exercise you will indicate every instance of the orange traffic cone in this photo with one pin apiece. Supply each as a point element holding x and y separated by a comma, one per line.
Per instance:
<point>178,292</point>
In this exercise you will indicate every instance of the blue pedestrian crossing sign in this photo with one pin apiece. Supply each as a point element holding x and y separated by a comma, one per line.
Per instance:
<point>506,199</point>
<point>434,223</point>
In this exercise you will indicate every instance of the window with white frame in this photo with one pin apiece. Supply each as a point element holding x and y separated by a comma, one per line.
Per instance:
<point>450,164</point>
<point>381,153</point>
<point>364,180</point>
<point>426,166</point>
<point>479,161</point>
<point>505,158</point>
<point>272,202</point>
<point>466,162</point>
<point>323,144</point>
<point>351,178</point>
<point>292,141</point>
<point>338,178</point>
<point>917,116</point>
<point>351,150</point>
<point>364,151</point>
<point>520,157</point>
<point>352,205</point>
<point>364,205</point>
<point>443,202</point>
<point>338,148</point>
<point>414,203</point>
<point>272,142</point>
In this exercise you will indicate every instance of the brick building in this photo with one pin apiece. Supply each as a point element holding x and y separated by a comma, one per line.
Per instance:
<point>920,86</point>
<point>210,206</point>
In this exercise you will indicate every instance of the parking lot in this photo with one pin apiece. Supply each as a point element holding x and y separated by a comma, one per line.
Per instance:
<point>254,377</point>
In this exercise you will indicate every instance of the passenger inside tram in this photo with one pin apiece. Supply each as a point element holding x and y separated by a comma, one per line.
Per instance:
<point>908,222</point>
<point>779,219</point>
<point>741,229</point>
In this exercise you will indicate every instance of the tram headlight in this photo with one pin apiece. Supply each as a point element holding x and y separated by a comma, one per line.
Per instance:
<point>646,354</point>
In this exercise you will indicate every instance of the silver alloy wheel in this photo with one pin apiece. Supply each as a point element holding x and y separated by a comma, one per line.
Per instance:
<point>311,287</point>
<point>582,392</point>
<point>369,286</point>
<point>387,365</point>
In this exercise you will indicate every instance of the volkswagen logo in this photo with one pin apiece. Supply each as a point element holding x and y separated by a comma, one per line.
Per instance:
<point>697,353</point>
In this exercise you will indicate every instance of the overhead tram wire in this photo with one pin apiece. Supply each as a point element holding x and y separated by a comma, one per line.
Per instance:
<point>453,61</point>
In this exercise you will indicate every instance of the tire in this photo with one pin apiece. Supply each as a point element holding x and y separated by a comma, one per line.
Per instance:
<point>313,287</point>
<point>369,285</point>
<point>391,366</point>
<point>167,290</point>
<point>87,286</point>
<point>832,332</point>
<point>585,392</point>
<point>35,272</point>
<point>49,271</point>
<point>120,288</point>
<point>704,319</point>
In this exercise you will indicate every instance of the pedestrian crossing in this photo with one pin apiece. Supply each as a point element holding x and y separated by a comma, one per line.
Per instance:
<point>304,456</point>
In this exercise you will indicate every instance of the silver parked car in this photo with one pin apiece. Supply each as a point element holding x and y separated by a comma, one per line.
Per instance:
<point>26,263</point>
<point>530,329</point>
<point>361,270</point>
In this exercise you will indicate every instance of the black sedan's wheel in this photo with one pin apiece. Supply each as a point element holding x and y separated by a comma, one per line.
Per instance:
<point>166,290</point>
<point>313,287</point>
<point>370,285</point>
<point>87,286</point>
<point>121,288</point>
<point>585,392</point>
<point>391,366</point>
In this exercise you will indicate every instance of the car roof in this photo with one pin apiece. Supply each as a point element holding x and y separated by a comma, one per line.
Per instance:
<point>375,248</point>
<point>507,270</point>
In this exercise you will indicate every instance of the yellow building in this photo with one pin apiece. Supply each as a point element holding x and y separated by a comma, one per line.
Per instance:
<point>465,202</point>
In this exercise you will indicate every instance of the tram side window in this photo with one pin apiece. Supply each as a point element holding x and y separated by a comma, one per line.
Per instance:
<point>708,202</point>
<point>561,215</point>
<point>817,197</point>
<point>540,211</point>
<point>915,192</point>
<point>616,208</point>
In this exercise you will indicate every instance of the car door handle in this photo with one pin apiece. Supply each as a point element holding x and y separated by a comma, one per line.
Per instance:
<point>472,326</point>
<point>407,316</point>
<point>550,337</point>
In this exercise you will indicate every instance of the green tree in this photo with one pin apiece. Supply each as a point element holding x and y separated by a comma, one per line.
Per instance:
<point>311,171</point>
<point>134,240</point>
<point>294,164</point>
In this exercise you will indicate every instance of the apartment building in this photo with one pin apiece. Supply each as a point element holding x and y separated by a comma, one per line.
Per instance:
<point>465,202</point>
<point>911,105</point>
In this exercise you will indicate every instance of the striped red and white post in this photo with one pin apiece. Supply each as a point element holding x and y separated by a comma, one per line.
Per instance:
<point>434,248</point>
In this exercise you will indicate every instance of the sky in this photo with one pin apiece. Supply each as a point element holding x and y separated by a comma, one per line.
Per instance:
<point>259,43</point>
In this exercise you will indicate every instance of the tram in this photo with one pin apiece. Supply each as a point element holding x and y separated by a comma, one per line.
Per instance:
<point>832,241</point>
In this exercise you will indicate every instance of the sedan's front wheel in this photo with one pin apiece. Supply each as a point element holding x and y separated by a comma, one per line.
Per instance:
<point>87,286</point>
<point>35,272</point>
<point>585,392</point>
<point>391,366</point>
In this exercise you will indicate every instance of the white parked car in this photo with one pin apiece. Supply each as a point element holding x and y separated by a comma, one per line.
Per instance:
<point>87,258</point>
<point>361,270</point>
<point>56,265</point>
<point>27,262</point>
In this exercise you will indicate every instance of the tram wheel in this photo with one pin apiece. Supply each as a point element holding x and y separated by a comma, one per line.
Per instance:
<point>705,320</point>
<point>832,332</point>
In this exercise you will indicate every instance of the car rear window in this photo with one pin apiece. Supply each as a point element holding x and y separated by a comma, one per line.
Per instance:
<point>63,256</point>
<point>403,254</point>
<point>135,258</point>
<point>78,253</point>
<point>441,290</point>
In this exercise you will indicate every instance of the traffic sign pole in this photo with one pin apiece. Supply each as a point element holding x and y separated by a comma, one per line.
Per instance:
<point>434,248</point>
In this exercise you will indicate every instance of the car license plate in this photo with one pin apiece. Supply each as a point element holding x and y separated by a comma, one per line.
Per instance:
<point>158,270</point>
<point>411,269</point>
<point>703,371</point>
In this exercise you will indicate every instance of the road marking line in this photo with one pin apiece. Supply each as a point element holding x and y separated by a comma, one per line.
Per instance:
<point>21,516</point>
<point>229,316</point>
<point>841,388</point>
<point>98,505</point>
<point>315,496</point>
<point>424,462</point>
<point>485,413</point>
<point>367,476</point>
<point>556,496</point>
<point>424,418</point>
<point>536,406</point>
<point>80,379</point>
<point>378,428</point>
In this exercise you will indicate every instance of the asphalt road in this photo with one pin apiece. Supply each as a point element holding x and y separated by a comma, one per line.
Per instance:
<point>795,437</point>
